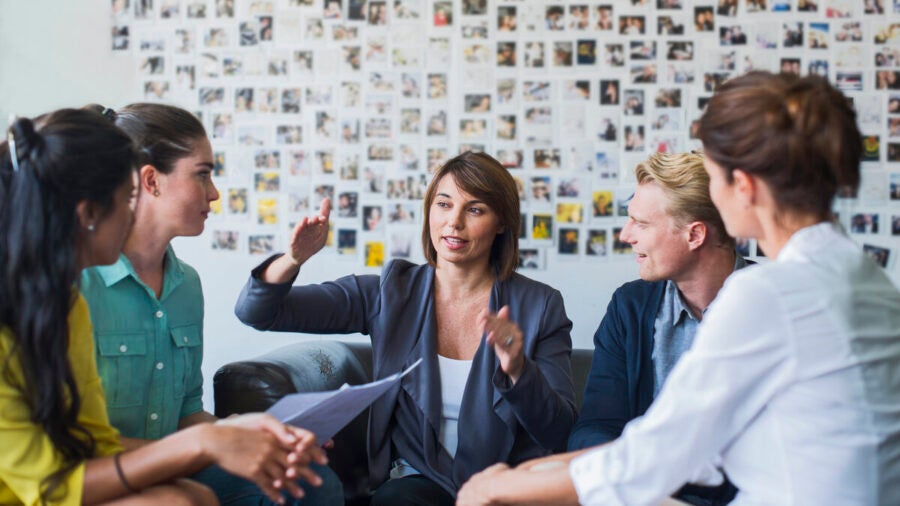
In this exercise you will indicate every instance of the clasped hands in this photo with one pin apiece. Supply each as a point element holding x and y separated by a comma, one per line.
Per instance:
<point>271,454</point>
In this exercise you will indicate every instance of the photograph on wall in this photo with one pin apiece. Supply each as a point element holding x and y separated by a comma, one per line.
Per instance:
<point>261,244</point>
<point>542,227</point>
<point>346,241</point>
<point>374,253</point>
<point>401,243</point>
<point>864,223</point>
<point>880,255</point>
<point>568,241</point>
<point>595,242</point>
<point>532,258</point>
<point>226,240</point>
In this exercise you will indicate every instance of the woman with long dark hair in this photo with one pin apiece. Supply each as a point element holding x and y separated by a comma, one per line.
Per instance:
<point>66,190</point>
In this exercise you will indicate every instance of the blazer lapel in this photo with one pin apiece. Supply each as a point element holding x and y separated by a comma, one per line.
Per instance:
<point>426,395</point>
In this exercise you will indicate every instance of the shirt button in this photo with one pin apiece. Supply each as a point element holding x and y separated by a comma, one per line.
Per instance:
<point>185,338</point>
<point>159,365</point>
<point>159,314</point>
<point>123,348</point>
<point>154,416</point>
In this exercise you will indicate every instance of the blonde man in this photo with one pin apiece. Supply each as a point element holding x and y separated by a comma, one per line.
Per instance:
<point>684,256</point>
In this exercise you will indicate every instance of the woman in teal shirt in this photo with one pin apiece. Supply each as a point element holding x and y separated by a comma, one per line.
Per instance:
<point>147,308</point>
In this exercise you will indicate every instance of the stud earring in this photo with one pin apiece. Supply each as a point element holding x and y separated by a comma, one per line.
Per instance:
<point>156,193</point>
<point>90,227</point>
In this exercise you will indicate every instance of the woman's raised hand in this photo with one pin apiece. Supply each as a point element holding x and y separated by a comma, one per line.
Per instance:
<point>310,234</point>
<point>506,338</point>
<point>263,450</point>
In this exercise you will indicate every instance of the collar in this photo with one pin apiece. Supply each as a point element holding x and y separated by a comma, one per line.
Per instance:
<point>809,239</point>
<point>672,296</point>
<point>173,271</point>
<point>672,299</point>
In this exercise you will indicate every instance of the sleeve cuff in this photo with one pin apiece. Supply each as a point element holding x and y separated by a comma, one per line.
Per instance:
<point>505,386</point>
<point>256,273</point>
<point>191,406</point>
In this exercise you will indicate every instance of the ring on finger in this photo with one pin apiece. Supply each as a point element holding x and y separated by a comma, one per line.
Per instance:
<point>508,341</point>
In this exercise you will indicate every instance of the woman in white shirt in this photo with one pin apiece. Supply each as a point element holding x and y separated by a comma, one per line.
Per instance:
<point>793,382</point>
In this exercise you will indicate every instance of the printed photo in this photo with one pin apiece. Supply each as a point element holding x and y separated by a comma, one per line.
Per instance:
<point>226,240</point>
<point>880,255</point>
<point>261,244</point>
<point>542,226</point>
<point>531,258</point>
<point>346,241</point>
<point>374,254</point>
<point>864,223</point>
<point>595,243</point>
<point>568,241</point>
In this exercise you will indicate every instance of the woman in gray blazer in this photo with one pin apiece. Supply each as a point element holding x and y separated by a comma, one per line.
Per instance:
<point>495,384</point>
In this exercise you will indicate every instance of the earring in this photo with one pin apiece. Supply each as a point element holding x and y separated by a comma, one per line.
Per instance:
<point>156,193</point>
<point>90,227</point>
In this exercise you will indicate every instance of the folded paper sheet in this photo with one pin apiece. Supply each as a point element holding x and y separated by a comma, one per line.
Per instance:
<point>326,413</point>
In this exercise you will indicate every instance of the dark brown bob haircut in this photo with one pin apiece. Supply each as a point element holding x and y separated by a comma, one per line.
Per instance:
<point>485,179</point>
<point>799,135</point>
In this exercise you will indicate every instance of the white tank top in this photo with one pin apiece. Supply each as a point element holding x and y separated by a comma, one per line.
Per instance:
<point>454,374</point>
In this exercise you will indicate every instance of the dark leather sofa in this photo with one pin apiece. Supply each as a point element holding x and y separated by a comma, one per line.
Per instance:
<point>312,366</point>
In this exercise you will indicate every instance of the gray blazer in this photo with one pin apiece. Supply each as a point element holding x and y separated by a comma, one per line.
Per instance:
<point>497,422</point>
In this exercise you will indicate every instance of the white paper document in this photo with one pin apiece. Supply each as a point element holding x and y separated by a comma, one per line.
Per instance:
<point>326,413</point>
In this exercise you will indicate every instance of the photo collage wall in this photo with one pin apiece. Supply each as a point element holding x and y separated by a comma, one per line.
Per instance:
<point>360,100</point>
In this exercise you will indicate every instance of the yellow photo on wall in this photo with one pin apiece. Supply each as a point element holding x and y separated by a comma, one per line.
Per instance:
<point>267,211</point>
<point>603,203</point>
<point>569,212</point>
<point>374,254</point>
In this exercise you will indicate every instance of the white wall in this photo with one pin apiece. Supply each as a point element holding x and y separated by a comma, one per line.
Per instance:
<point>56,53</point>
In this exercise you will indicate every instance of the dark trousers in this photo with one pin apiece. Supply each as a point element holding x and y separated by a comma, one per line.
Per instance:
<point>234,491</point>
<point>415,490</point>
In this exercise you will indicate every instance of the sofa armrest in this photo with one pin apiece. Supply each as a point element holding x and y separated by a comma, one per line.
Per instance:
<point>308,366</point>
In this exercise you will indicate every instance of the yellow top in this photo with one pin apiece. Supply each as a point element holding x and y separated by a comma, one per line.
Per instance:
<point>28,455</point>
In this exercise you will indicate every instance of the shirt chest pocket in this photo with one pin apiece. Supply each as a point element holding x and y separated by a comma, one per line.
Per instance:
<point>187,356</point>
<point>121,359</point>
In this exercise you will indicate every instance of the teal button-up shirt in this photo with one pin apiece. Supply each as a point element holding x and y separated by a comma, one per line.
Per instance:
<point>148,350</point>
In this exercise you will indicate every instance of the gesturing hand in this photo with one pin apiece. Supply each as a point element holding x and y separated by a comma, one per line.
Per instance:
<point>310,234</point>
<point>506,338</point>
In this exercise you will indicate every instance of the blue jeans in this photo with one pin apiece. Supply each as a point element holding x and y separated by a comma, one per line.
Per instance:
<point>235,491</point>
